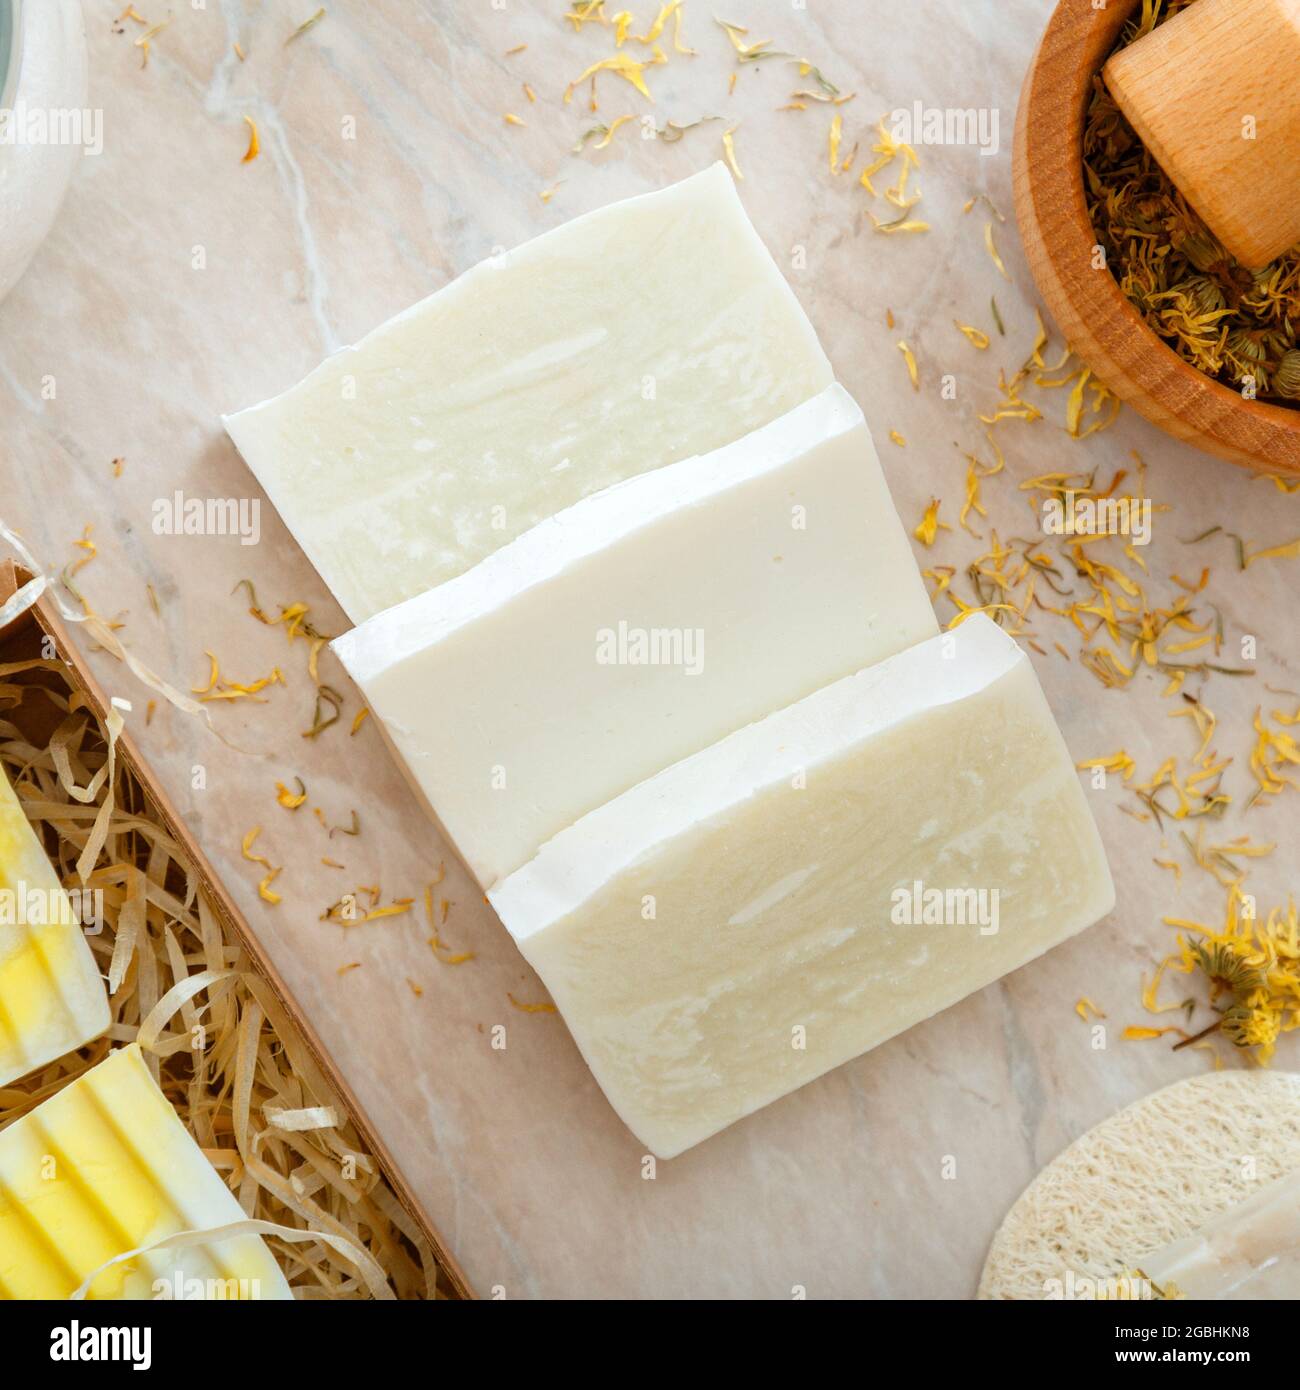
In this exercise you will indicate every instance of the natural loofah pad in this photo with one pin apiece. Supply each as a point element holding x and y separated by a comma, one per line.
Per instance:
<point>1154,1172</point>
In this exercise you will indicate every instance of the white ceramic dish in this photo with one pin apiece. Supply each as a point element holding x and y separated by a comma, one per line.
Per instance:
<point>42,70</point>
<point>11,18</point>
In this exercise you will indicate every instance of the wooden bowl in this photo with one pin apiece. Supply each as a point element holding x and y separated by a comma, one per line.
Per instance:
<point>1091,310</point>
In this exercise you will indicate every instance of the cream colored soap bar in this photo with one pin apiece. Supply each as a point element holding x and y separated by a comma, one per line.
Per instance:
<point>104,1167</point>
<point>635,336</point>
<point>52,999</point>
<point>639,626</point>
<point>764,910</point>
<point>1251,1251</point>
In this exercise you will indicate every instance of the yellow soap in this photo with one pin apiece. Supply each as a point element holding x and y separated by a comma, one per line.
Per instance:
<point>52,998</point>
<point>104,1167</point>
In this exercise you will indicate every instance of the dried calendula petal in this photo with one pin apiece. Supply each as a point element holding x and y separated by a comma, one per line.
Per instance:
<point>306,25</point>
<point>729,150</point>
<point>1074,408</point>
<point>679,45</point>
<point>348,912</point>
<point>1288,551</point>
<point>910,359</point>
<point>1119,762</point>
<point>974,336</point>
<point>326,698</point>
<point>143,42</point>
<point>352,828</point>
<point>666,12</point>
<point>611,130</point>
<point>254,141</point>
<point>291,800</point>
<point>89,549</point>
<point>898,193</point>
<point>543,1008</point>
<point>833,143</point>
<point>992,248</point>
<point>622,65</point>
<point>246,847</point>
<point>930,525</point>
<point>746,52</point>
<point>213,676</point>
<point>672,131</point>
<point>972,502</point>
<point>900,224</point>
<point>584,11</point>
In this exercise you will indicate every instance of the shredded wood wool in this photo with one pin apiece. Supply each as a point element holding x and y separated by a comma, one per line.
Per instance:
<point>1153,1173</point>
<point>1233,324</point>
<point>215,1036</point>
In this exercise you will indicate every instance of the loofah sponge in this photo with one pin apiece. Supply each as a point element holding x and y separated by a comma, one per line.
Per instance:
<point>1153,1173</point>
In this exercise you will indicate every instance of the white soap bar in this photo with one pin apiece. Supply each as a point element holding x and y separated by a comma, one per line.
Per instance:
<point>742,922</point>
<point>640,334</point>
<point>1250,1251</point>
<point>52,998</point>
<point>639,626</point>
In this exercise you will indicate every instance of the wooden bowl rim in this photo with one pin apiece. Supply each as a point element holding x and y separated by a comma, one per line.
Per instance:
<point>1244,430</point>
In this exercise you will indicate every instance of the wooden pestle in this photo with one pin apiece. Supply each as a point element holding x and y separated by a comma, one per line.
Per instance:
<point>1214,94</point>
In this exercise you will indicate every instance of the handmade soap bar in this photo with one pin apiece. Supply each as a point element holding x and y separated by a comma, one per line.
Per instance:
<point>635,336</point>
<point>812,885</point>
<point>1250,1251</point>
<point>52,999</point>
<point>639,626</point>
<point>103,1167</point>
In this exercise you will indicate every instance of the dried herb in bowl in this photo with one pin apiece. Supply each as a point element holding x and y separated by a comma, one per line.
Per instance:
<point>1236,325</point>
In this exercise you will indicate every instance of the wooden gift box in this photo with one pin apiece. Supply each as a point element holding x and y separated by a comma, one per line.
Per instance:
<point>24,639</point>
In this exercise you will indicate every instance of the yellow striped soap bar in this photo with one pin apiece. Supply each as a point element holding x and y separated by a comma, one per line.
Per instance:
<point>52,998</point>
<point>104,1167</point>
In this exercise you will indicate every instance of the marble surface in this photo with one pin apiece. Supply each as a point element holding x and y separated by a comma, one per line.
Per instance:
<point>886,1178</point>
